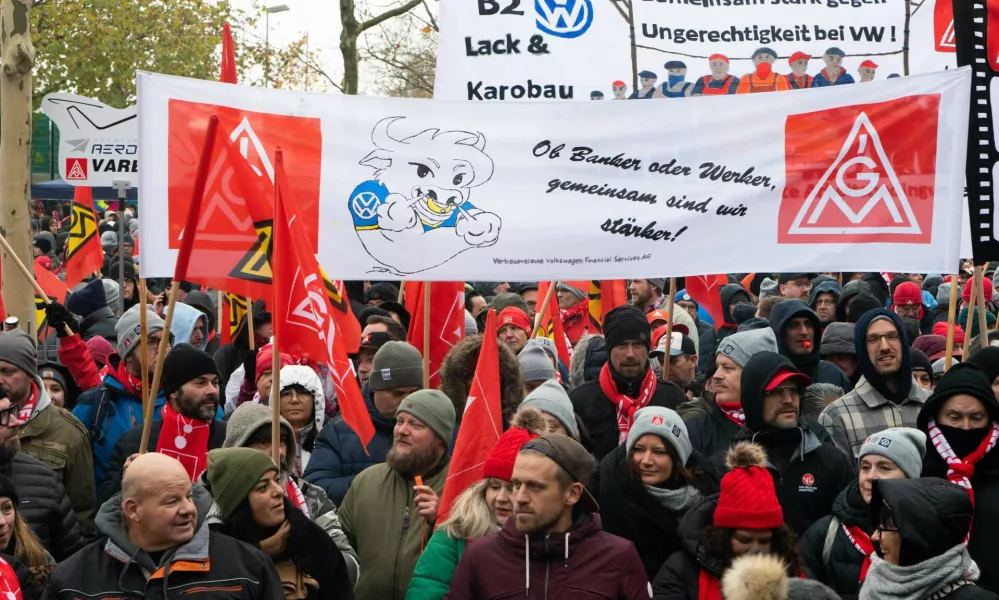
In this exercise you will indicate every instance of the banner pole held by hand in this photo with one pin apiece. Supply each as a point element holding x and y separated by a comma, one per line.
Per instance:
<point>251,336</point>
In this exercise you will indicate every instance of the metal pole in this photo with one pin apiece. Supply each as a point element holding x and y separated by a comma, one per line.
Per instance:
<point>122,187</point>
<point>267,49</point>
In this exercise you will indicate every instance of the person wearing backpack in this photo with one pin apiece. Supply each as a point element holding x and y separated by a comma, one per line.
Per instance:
<point>837,548</point>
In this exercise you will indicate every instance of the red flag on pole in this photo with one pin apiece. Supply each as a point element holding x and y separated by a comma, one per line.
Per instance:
<point>83,246</point>
<point>228,74</point>
<point>54,288</point>
<point>706,291</point>
<point>481,424</point>
<point>552,326</point>
<point>303,318</point>
<point>412,290</point>
<point>605,296</point>
<point>233,310</point>
<point>447,323</point>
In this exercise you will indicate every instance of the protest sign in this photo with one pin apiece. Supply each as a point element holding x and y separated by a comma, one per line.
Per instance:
<point>98,144</point>
<point>842,179</point>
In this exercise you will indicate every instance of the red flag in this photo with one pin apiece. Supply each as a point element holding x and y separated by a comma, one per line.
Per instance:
<point>447,323</point>
<point>54,288</point>
<point>706,291</point>
<point>605,296</point>
<point>233,310</point>
<point>412,290</point>
<point>303,319</point>
<point>481,424</point>
<point>228,74</point>
<point>83,246</point>
<point>552,327</point>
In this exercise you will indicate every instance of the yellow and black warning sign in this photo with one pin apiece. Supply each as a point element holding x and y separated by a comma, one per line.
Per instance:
<point>82,229</point>
<point>256,266</point>
<point>235,311</point>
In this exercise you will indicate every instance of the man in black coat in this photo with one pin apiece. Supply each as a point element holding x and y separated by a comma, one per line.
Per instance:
<point>808,474</point>
<point>625,384</point>
<point>799,336</point>
<point>91,305</point>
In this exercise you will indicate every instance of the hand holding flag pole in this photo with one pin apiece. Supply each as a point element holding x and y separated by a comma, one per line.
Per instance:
<point>28,275</point>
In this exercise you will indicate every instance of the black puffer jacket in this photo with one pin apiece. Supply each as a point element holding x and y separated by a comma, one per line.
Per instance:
<point>818,370</point>
<point>711,432</point>
<point>44,504</point>
<point>599,414</point>
<point>842,571</point>
<point>100,322</point>
<point>629,511</point>
<point>678,579</point>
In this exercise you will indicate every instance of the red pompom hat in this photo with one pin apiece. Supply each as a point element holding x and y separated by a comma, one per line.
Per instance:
<point>527,424</point>
<point>748,499</point>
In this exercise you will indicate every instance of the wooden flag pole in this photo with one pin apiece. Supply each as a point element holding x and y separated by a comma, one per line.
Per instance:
<point>971,313</point>
<point>540,315</point>
<point>219,313</point>
<point>983,327</point>
<point>669,326</point>
<point>251,336</point>
<point>162,349</point>
<point>951,317</point>
<point>426,335</point>
<point>144,348</point>
<point>24,270</point>
<point>275,395</point>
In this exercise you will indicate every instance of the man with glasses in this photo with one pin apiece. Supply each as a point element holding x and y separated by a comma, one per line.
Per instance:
<point>886,394</point>
<point>46,431</point>
<point>807,473</point>
<point>115,406</point>
<point>823,299</point>
<point>795,285</point>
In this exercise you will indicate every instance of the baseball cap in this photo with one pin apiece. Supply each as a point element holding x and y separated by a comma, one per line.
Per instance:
<point>657,315</point>
<point>375,340</point>
<point>785,277</point>
<point>574,460</point>
<point>786,374</point>
<point>799,56</point>
<point>660,332</point>
<point>680,344</point>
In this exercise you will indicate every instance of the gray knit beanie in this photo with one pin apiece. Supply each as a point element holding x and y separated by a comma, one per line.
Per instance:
<point>550,397</point>
<point>247,419</point>
<point>535,364</point>
<point>433,408</point>
<point>111,292</point>
<point>396,365</point>
<point>18,348</point>
<point>768,287</point>
<point>741,346</point>
<point>128,328</point>
<point>904,446</point>
<point>665,423</point>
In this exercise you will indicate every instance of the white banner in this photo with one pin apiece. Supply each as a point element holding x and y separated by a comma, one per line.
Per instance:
<point>98,144</point>
<point>841,179</point>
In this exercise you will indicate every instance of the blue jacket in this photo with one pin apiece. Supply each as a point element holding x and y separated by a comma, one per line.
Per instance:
<point>338,454</point>
<point>123,411</point>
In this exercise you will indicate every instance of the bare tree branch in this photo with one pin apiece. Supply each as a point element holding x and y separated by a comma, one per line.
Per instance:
<point>385,16</point>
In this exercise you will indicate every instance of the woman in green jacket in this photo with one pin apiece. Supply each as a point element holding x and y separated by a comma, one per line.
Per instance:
<point>479,511</point>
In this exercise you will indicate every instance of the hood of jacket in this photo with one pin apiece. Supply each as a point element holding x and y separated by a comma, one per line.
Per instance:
<point>850,290</point>
<point>304,376</point>
<point>827,285</point>
<point>877,286</point>
<point>203,302</point>
<point>380,421</point>
<point>849,507</point>
<point>932,515</point>
<point>588,357</point>
<point>458,370</point>
<point>185,317</point>
<point>110,521</point>
<point>864,358</point>
<point>757,373</point>
<point>43,401</point>
<point>730,295</point>
<point>780,318</point>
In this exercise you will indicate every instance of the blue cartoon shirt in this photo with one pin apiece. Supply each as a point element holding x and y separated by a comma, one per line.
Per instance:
<point>369,195</point>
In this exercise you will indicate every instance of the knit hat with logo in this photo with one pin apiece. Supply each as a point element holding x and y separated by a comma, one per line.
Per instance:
<point>747,499</point>
<point>665,423</point>
<point>129,331</point>
<point>396,365</point>
<point>626,323</point>
<point>904,446</point>
<point>512,315</point>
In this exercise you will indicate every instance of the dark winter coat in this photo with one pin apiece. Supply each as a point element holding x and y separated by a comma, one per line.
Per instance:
<point>818,370</point>
<point>585,562</point>
<point>628,510</point>
<point>850,291</point>
<point>711,431</point>
<point>599,414</point>
<point>231,356</point>
<point>842,570</point>
<point>707,343</point>
<point>730,294</point>
<point>808,474</point>
<point>100,322</point>
<point>678,578</point>
<point>128,445</point>
<point>338,455</point>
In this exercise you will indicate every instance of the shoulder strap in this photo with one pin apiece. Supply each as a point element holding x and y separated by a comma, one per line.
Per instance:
<point>830,540</point>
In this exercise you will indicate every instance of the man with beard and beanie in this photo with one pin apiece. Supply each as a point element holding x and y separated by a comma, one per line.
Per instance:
<point>886,394</point>
<point>797,329</point>
<point>647,294</point>
<point>808,474</point>
<point>961,420</point>
<point>823,299</point>
<point>386,514</point>
<point>115,406</point>
<point>46,431</point>
<point>187,428</point>
<point>626,383</point>
<point>555,546</point>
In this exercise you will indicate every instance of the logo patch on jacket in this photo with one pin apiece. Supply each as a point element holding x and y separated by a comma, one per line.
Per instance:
<point>807,483</point>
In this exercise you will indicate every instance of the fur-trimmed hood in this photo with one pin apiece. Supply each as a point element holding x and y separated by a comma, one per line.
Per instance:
<point>588,357</point>
<point>458,369</point>
<point>763,577</point>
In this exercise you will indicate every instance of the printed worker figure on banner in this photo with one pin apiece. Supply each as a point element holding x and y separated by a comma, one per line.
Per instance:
<point>415,214</point>
<point>675,85</point>
<point>763,79</point>
<point>620,90</point>
<point>867,70</point>
<point>798,78</point>
<point>596,95</point>
<point>647,81</point>
<point>719,82</point>
<point>834,73</point>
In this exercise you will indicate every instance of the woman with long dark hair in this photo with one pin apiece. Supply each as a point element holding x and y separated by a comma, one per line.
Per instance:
<point>248,491</point>
<point>19,547</point>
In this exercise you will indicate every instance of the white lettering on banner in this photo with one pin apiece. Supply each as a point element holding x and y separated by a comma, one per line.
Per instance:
<point>839,179</point>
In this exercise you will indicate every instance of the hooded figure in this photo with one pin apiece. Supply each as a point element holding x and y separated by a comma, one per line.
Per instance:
<point>807,473</point>
<point>850,291</point>
<point>730,294</point>
<point>304,381</point>
<point>886,394</point>
<point>805,354</point>
<point>185,319</point>
<point>961,421</point>
<point>458,370</point>
<point>203,302</point>
<point>922,527</point>
<point>829,286</point>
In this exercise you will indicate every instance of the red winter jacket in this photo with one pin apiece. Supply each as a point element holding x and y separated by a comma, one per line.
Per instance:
<point>585,562</point>
<point>74,354</point>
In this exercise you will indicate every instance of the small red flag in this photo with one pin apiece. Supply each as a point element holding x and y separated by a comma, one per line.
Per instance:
<point>481,424</point>
<point>83,246</point>
<point>233,311</point>
<point>228,74</point>
<point>447,323</point>
<point>605,296</point>
<point>552,327</point>
<point>411,296</point>
<point>303,318</point>
<point>706,291</point>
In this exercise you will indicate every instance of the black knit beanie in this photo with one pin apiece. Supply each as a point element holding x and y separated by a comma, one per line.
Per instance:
<point>626,323</point>
<point>183,363</point>
<point>962,378</point>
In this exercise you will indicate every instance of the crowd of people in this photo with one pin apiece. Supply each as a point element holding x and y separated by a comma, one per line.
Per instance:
<point>809,444</point>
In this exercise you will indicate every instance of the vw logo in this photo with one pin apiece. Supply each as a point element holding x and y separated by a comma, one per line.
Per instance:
<point>564,18</point>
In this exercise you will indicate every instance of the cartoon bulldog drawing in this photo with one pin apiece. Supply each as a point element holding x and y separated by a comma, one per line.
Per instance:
<point>415,213</point>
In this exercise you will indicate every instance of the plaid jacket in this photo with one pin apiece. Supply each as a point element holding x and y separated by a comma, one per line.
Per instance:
<point>864,412</point>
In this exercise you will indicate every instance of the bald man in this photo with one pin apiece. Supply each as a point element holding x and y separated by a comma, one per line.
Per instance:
<point>155,525</point>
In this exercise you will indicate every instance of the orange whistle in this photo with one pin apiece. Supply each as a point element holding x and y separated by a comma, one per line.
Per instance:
<point>419,480</point>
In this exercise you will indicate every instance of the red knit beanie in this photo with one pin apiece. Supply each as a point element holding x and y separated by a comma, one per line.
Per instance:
<point>907,293</point>
<point>966,294</point>
<point>264,358</point>
<point>526,425</point>
<point>941,329</point>
<point>512,315</point>
<point>748,499</point>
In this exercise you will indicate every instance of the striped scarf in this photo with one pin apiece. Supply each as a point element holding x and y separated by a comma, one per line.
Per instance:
<point>961,470</point>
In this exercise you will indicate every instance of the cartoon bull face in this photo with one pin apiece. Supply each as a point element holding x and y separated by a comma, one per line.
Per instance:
<point>435,169</point>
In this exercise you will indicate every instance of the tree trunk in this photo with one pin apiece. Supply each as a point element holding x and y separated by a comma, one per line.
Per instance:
<point>348,45</point>
<point>18,59</point>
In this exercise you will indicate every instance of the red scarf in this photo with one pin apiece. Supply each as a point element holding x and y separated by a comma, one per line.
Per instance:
<point>626,405</point>
<point>186,440</point>
<point>28,406</point>
<point>862,542</point>
<point>131,384</point>
<point>10,586</point>
<point>708,586</point>
<point>733,412</point>
<point>294,494</point>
